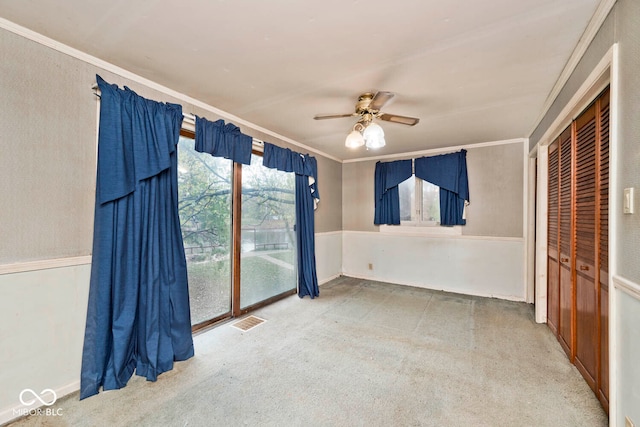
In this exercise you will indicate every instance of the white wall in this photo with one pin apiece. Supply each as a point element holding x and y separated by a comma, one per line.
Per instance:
<point>42,320</point>
<point>328,256</point>
<point>627,342</point>
<point>483,266</point>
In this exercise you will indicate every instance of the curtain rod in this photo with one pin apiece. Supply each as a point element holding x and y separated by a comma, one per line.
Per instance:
<point>186,117</point>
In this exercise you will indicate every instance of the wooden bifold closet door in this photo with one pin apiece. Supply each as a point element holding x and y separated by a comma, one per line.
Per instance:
<point>585,231</point>
<point>578,202</point>
<point>560,293</point>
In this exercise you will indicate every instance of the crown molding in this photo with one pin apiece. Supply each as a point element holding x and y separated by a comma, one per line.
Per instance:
<point>598,18</point>
<point>107,66</point>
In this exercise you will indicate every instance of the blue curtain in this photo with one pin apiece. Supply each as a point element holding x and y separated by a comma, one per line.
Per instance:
<point>388,176</point>
<point>223,140</point>
<point>307,197</point>
<point>449,172</point>
<point>138,315</point>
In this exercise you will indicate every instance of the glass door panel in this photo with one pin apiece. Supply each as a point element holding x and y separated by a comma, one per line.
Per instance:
<point>268,251</point>
<point>204,203</point>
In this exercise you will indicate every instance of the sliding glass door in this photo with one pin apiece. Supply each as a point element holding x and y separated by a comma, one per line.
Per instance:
<point>204,203</point>
<point>268,251</point>
<point>228,278</point>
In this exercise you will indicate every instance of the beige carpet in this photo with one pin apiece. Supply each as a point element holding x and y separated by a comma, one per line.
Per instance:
<point>363,354</point>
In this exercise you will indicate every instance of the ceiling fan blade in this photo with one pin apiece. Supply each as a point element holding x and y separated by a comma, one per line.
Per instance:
<point>411,121</point>
<point>333,116</point>
<point>380,99</point>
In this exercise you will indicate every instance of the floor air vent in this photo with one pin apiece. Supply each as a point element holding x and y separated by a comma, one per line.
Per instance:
<point>248,322</point>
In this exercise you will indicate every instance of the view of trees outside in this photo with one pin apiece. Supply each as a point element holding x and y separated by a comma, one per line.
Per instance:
<point>268,259</point>
<point>429,197</point>
<point>430,202</point>
<point>407,192</point>
<point>268,255</point>
<point>204,204</point>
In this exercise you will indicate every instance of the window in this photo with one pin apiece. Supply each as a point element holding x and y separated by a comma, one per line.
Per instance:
<point>420,210</point>
<point>419,202</point>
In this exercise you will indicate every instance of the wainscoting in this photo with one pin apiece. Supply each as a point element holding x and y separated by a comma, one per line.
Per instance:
<point>482,266</point>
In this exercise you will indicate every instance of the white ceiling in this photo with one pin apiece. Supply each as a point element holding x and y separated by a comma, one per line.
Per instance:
<point>471,70</point>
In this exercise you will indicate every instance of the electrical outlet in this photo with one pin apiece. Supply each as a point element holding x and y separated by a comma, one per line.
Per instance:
<point>628,422</point>
<point>370,266</point>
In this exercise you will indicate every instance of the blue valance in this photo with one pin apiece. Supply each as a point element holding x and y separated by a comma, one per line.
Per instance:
<point>282,159</point>
<point>123,164</point>
<point>388,176</point>
<point>449,172</point>
<point>307,196</point>
<point>223,140</point>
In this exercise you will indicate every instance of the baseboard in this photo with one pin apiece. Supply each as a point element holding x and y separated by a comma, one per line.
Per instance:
<point>19,411</point>
<point>433,288</point>
<point>328,279</point>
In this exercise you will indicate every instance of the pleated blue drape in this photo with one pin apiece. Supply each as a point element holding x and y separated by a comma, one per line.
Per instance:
<point>223,140</point>
<point>306,169</point>
<point>388,175</point>
<point>449,172</point>
<point>138,315</point>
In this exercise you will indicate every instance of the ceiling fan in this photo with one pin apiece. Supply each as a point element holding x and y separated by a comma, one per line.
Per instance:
<point>365,131</point>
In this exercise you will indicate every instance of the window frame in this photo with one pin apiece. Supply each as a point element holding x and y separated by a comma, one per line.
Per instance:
<point>416,225</point>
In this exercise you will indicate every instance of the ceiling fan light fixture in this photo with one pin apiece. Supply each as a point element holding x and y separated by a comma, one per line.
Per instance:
<point>354,140</point>
<point>374,136</point>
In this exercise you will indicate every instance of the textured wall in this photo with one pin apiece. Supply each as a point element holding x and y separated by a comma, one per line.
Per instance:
<point>329,212</point>
<point>628,158</point>
<point>47,168</point>
<point>357,196</point>
<point>495,189</point>
<point>48,119</point>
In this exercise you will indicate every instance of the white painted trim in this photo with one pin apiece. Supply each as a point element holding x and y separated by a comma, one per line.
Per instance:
<point>44,264</point>
<point>421,230</point>
<point>438,150</point>
<point>528,223</point>
<point>89,59</point>
<point>598,18</point>
<point>328,233</point>
<point>614,206</point>
<point>627,286</point>
<point>541,235</point>
<point>439,236</point>
<point>6,414</point>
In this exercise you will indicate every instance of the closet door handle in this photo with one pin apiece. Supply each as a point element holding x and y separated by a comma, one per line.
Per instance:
<point>584,268</point>
<point>564,259</point>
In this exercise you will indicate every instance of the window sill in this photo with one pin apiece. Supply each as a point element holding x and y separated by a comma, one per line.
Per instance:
<point>422,230</point>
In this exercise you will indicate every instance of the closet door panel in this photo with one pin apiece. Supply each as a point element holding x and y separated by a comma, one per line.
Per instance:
<point>565,245</point>
<point>553,265</point>
<point>587,310</point>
